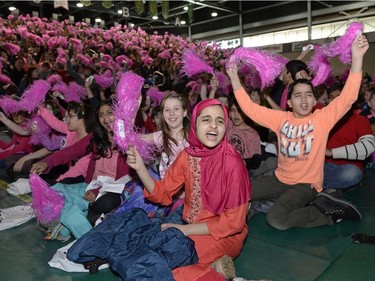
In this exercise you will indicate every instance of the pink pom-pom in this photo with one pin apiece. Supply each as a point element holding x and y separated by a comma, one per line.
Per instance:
<point>54,78</point>
<point>38,128</point>
<point>320,66</point>
<point>22,31</point>
<point>77,44</point>
<point>124,59</point>
<point>13,48</point>
<point>105,80</point>
<point>155,95</point>
<point>75,92</point>
<point>84,59</point>
<point>344,75</point>
<point>166,54</point>
<point>224,82</point>
<point>103,64</point>
<point>342,46</point>
<point>34,95</point>
<point>128,92</point>
<point>193,64</point>
<point>106,57</point>
<point>195,86</point>
<point>9,105</point>
<point>269,65</point>
<point>5,79</point>
<point>10,17</point>
<point>46,203</point>
<point>61,87</point>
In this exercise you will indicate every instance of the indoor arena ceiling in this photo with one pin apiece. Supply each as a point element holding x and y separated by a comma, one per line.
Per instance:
<point>257,16</point>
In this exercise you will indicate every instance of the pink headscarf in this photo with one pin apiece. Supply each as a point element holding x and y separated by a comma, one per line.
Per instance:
<point>224,179</point>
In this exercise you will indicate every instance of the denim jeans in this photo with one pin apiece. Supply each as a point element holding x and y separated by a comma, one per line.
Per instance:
<point>292,207</point>
<point>341,176</point>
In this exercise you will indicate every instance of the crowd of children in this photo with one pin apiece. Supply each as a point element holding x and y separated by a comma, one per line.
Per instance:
<point>216,151</point>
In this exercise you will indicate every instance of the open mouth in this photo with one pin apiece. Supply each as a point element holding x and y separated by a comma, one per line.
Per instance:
<point>211,136</point>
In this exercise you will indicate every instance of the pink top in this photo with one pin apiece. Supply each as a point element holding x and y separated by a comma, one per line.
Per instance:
<point>106,166</point>
<point>166,161</point>
<point>245,140</point>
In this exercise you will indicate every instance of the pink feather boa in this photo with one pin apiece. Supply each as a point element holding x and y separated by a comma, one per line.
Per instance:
<point>268,65</point>
<point>128,92</point>
<point>46,203</point>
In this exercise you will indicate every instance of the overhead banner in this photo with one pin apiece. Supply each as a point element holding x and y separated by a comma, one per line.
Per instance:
<point>165,9</point>
<point>107,4</point>
<point>61,3</point>
<point>190,12</point>
<point>138,6</point>
<point>153,8</point>
<point>86,2</point>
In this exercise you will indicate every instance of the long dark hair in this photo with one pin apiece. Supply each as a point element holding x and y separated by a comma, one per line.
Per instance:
<point>164,126</point>
<point>100,144</point>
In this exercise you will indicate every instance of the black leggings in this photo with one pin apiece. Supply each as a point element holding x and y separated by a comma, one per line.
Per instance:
<point>103,205</point>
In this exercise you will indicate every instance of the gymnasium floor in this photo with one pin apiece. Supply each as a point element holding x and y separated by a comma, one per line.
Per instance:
<point>324,253</point>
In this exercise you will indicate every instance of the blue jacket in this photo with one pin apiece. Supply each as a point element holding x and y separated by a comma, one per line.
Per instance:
<point>135,247</point>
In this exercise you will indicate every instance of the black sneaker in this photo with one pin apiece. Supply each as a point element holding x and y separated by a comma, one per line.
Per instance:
<point>337,208</point>
<point>337,193</point>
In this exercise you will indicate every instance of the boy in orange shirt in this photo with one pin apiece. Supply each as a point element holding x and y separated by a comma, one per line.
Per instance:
<point>302,137</point>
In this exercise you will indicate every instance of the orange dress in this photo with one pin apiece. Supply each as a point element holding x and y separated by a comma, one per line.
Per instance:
<point>228,230</point>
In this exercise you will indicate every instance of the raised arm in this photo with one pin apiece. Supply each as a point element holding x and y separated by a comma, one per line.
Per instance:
<point>13,126</point>
<point>136,162</point>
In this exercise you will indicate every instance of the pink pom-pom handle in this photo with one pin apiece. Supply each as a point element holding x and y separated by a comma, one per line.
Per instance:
<point>46,202</point>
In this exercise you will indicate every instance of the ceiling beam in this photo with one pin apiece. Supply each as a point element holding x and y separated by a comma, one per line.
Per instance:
<point>209,5</point>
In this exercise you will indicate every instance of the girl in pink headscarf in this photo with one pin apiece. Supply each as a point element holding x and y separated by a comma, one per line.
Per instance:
<point>217,191</point>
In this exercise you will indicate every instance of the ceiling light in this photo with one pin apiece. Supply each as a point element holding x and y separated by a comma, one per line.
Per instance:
<point>98,20</point>
<point>154,17</point>
<point>79,5</point>
<point>12,8</point>
<point>186,8</point>
<point>214,14</point>
<point>119,12</point>
<point>183,22</point>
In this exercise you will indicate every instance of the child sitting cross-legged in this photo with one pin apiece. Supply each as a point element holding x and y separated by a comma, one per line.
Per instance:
<point>302,137</point>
